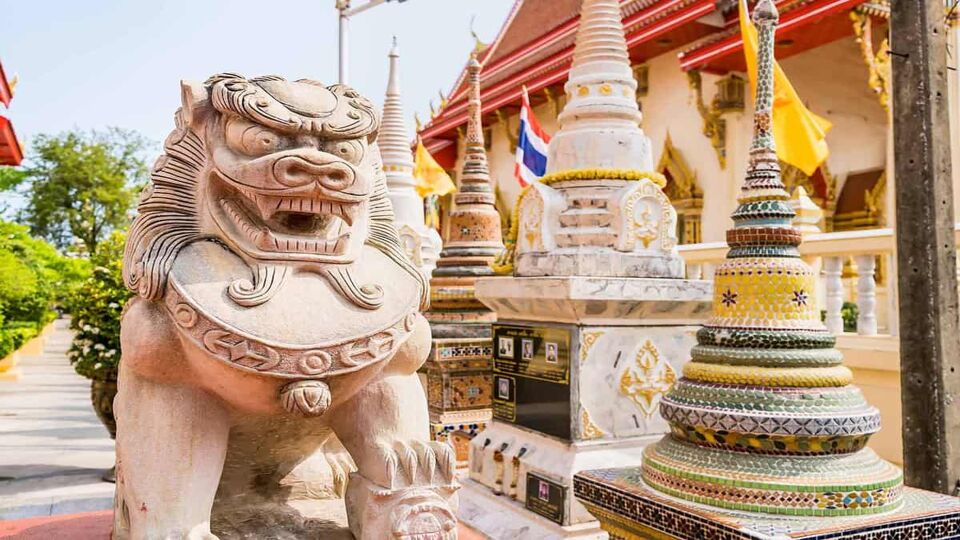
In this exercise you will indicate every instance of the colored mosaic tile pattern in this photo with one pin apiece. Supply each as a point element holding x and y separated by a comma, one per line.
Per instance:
<point>772,444</point>
<point>764,419</point>
<point>761,338</point>
<point>856,422</point>
<point>760,376</point>
<point>710,354</point>
<point>768,399</point>
<point>629,508</point>
<point>763,293</point>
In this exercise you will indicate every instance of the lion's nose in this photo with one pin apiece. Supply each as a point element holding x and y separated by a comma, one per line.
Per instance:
<point>294,171</point>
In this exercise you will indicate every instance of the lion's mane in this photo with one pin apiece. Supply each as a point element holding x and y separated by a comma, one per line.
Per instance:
<point>168,219</point>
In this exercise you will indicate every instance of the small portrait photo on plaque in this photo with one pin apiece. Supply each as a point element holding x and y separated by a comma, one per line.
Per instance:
<point>505,347</point>
<point>526,350</point>
<point>552,352</point>
<point>544,491</point>
<point>503,388</point>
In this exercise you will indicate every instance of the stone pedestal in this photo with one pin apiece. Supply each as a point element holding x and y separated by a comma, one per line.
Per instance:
<point>579,367</point>
<point>628,508</point>
<point>458,382</point>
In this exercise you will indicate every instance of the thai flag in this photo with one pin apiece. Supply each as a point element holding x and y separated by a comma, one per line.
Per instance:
<point>532,144</point>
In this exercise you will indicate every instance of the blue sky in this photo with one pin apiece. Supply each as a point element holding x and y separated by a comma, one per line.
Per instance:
<point>97,63</point>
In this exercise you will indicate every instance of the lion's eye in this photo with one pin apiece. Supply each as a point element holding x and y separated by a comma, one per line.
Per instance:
<point>253,140</point>
<point>351,150</point>
<point>257,141</point>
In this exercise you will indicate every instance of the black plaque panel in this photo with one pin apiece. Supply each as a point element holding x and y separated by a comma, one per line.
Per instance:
<point>545,498</point>
<point>531,378</point>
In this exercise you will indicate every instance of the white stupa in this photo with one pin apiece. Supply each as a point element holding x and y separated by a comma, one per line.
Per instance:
<point>422,243</point>
<point>600,210</point>
<point>600,124</point>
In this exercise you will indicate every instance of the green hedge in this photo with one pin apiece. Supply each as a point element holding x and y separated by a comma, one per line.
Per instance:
<point>35,280</point>
<point>96,309</point>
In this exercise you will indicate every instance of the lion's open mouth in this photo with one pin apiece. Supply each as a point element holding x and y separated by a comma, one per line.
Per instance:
<point>306,225</point>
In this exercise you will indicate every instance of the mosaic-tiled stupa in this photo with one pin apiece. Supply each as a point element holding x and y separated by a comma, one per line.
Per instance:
<point>765,418</point>
<point>458,372</point>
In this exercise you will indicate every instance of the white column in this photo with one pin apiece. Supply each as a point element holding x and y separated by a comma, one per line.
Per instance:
<point>832,270</point>
<point>866,295</point>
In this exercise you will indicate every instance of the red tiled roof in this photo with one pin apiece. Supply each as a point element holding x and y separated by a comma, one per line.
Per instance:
<point>6,94</point>
<point>544,58</point>
<point>723,52</point>
<point>10,153</point>
<point>535,45</point>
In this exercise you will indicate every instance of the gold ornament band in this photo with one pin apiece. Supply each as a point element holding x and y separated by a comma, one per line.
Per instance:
<point>604,174</point>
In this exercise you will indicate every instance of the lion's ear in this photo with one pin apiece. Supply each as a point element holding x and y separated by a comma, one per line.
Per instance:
<point>195,100</point>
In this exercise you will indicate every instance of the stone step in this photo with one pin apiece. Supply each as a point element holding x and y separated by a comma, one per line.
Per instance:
<point>587,200</point>
<point>586,217</point>
<point>585,236</point>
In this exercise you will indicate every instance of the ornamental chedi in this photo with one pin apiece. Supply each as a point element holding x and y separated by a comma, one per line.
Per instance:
<point>765,418</point>
<point>595,324</point>
<point>767,436</point>
<point>600,210</point>
<point>457,371</point>
<point>422,243</point>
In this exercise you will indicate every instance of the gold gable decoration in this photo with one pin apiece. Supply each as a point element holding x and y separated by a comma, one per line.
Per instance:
<point>683,190</point>
<point>729,97</point>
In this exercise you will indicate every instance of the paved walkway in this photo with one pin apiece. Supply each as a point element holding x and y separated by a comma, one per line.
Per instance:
<point>53,449</point>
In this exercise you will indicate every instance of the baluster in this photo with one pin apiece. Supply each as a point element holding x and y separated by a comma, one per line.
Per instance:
<point>694,271</point>
<point>832,270</point>
<point>866,295</point>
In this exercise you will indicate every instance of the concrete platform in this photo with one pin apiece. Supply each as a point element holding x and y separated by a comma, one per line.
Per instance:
<point>94,526</point>
<point>53,449</point>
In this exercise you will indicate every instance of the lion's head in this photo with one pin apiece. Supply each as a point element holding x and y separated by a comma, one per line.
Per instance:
<point>285,173</point>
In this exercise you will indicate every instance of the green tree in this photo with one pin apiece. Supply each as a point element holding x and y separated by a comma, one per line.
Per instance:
<point>81,185</point>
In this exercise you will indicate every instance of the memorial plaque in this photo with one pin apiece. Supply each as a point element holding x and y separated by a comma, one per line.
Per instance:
<point>545,498</point>
<point>531,378</point>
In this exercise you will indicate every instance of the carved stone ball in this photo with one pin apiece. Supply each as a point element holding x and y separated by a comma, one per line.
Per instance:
<point>307,398</point>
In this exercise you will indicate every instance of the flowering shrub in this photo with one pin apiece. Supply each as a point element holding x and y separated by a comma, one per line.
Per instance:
<point>33,276</point>
<point>96,308</point>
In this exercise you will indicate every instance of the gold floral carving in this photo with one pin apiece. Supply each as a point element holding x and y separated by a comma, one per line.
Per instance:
<point>714,126</point>
<point>877,61</point>
<point>648,378</point>
<point>875,199</point>
<point>587,340</point>
<point>513,135</point>
<point>794,178</point>
<point>683,190</point>
<point>590,430</point>
<point>645,227</point>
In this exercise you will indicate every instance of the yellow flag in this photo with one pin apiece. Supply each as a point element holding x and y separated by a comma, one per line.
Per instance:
<point>430,176</point>
<point>800,135</point>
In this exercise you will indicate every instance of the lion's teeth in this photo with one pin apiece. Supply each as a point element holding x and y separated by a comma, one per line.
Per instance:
<point>267,206</point>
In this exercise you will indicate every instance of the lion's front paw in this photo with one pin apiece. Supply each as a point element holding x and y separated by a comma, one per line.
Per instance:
<point>423,515</point>
<point>417,463</point>
<point>406,513</point>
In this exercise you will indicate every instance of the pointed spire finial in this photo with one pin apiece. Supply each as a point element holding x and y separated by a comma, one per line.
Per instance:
<point>476,173</point>
<point>602,103</point>
<point>393,82</point>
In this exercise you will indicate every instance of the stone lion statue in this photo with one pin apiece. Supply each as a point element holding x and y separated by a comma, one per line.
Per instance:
<point>276,317</point>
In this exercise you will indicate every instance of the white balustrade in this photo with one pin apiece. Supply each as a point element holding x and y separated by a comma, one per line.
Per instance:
<point>833,249</point>
<point>832,272</point>
<point>866,295</point>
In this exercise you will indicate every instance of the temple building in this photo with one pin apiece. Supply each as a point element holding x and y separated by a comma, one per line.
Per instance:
<point>10,151</point>
<point>692,87</point>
